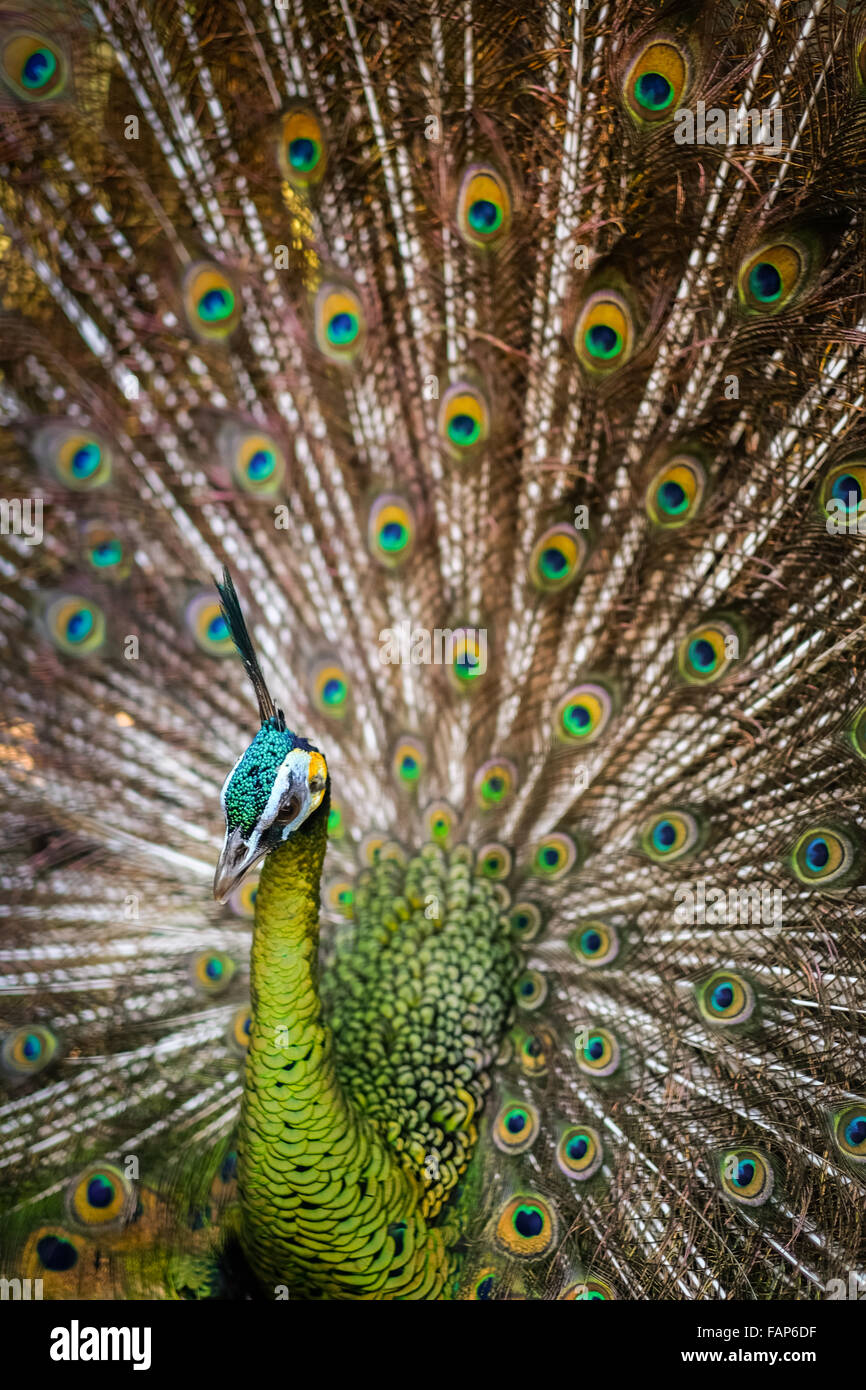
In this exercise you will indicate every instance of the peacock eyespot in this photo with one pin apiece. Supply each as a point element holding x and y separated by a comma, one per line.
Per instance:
<point>670,836</point>
<point>527,1227</point>
<point>494,783</point>
<point>494,861</point>
<point>726,999</point>
<point>746,1175</point>
<point>483,207</point>
<point>27,1051</point>
<point>849,1131</point>
<point>464,420</point>
<point>439,822</point>
<point>842,491</point>
<point>579,1152</point>
<point>535,1051</point>
<point>258,463</point>
<point>106,553</point>
<point>339,897</point>
<point>207,626</point>
<point>525,921</point>
<point>390,530</point>
<point>77,458</point>
<point>330,690</point>
<point>484,1287</point>
<point>211,302</point>
<point>826,856</point>
<point>657,81</point>
<point>34,67</point>
<point>857,732</point>
<point>515,1128</point>
<point>590,1291</point>
<point>553,856</point>
<point>531,989</point>
<point>56,1254</point>
<point>557,558</point>
<point>213,971</point>
<point>707,652</point>
<point>339,323</point>
<point>583,713</point>
<point>239,1029</point>
<point>409,762</point>
<point>302,149</point>
<point>770,279</point>
<point>596,1052</point>
<point>100,1196</point>
<point>468,657</point>
<point>594,943</point>
<point>75,625</point>
<point>604,333</point>
<point>676,492</point>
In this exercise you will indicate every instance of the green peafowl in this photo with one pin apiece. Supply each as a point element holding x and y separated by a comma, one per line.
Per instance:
<point>510,357</point>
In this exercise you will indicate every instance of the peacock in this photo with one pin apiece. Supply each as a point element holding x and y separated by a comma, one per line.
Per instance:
<point>433,647</point>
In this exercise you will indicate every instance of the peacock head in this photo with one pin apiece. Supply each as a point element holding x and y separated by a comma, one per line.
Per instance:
<point>278,783</point>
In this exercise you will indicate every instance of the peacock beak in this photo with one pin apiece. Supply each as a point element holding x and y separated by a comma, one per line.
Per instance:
<point>235,862</point>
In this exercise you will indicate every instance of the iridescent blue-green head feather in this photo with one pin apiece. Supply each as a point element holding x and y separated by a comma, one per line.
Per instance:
<point>277,783</point>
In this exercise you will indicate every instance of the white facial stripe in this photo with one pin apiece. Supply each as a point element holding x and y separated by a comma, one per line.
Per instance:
<point>292,771</point>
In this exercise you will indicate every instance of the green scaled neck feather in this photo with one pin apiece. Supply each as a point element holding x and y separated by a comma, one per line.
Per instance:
<point>354,1136</point>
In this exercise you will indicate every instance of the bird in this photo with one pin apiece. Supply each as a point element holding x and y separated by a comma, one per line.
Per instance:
<point>433,634</point>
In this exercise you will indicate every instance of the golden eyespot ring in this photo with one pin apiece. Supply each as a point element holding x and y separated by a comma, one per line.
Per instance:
<point>242,900</point>
<point>596,1051</point>
<point>239,1031</point>
<point>100,1197</point>
<point>706,653</point>
<point>553,856</point>
<point>79,459</point>
<point>494,783</point>
<point>823,855</point>
<point>849,1131</point>
<point>726,999</point>
<point>339,323</point>
<point>670,835</point>
<point>207,626</point>
<point>594,943</point>
<point>842,492</point>
<point>28,1050</point>
<point>212,971</point>
<point>557,558</point>
<point>604,333</point>
<point>579,1152</point>
<point>469,657</point>
<point>590,1291</point>
<point>483,207</point>
<point>527,1227</point>
<point>371,848</point>
<point>857,732</point>
<point>330,690</point>
<point>531,989</point>
<point>439,822</point>
<point>747,1176</point>
<point>525,921</point>
<point>656,82</point>
<point>515,1128</point>
<point>258,464</point>
<point>75,625</point>
<point>34,67</point>
<point>464,420</point>
<point>770,278</point>
<point>484,1286</point>
<point>106,552</point>
<point>303,153</point>
<point>676,492</point>
<point>211,302</point>
<point>409,762</point>
<point>339,897</point>
<point>583,713</point>
<point>494,861</point>
<point>390,530</point>
<point>535,1050</point>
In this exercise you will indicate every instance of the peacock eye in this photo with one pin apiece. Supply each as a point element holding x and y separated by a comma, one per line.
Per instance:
<point>535,1051</point>
<point>495,861</point>
<point>525,921</point>
<point>78,459</point>
<point>594,943</point>
<point>604,333</point>
<point>515,1128</point>
<point>239,1029</point>
<point>726,999</point>
<point>211,302</point>
<point>409,762</point>
<point>484,1287</point>
<point>339,897</point>
<point>302,149</point>
<point>843,489</point>
<point>579,1152</point>
<point>590,1291</point>
<point>531,989</point>
<point>857,732</point>
<point>75,625</point>
<point>483,207</point>
<point>584,713</point>
<point>243,898</point>
<point>56,1253</point>
<point>657,81</point>
<point>557,558</point>
<point>338,323</point>
<point>771,277</point>
<point>670,836</point>
<point>330,690</point>
<point>207,625</point>
<point>676,492</point>
<point>527,1227</point>
<point>100,1196</point>
<point>849,1131</point>
<point>746,1175</point>
<point>258,464</point>
<point>596,1052</point>
<point>27,1050</point>
<point>106,552</point>
<point>212,972</point>
<point>439,822</point>
<point>825,856</point>
<point>553,856</point>
<point>469,651</point>
<point>390,530</point>
<point>706,653</point>
<point>464,419</point>
<point>494,783</point>
<point>34,67</point>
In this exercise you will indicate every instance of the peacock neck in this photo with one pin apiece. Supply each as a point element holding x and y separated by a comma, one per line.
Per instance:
<point>326,1207</point>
